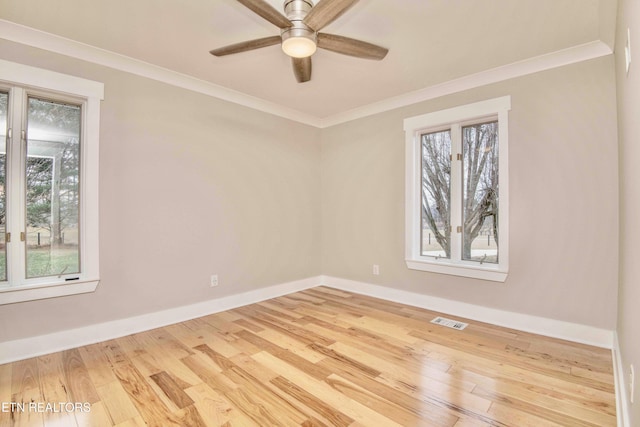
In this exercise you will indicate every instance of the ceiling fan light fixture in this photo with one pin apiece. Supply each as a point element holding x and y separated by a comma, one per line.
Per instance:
<point>299,47</point>
<point>299,41</point>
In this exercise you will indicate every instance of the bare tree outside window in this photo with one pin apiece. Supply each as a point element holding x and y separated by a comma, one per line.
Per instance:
<point>480,192</point>
<point>436,194</point>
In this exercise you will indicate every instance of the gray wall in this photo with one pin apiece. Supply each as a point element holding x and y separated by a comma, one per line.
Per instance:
<point>629,129</point>
<point>563,198</point>
<point>189,186</point>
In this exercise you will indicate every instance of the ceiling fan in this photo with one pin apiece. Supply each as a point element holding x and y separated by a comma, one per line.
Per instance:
<point>300,36</point>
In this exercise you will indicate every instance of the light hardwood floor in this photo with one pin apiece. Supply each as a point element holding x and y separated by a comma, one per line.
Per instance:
<point>314,358</point>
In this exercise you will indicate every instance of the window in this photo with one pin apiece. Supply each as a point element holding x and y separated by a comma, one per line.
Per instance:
<point>48,183</point>
<point>457,190</point>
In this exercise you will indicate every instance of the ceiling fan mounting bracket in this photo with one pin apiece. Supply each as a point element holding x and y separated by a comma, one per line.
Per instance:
<point>296,10</point>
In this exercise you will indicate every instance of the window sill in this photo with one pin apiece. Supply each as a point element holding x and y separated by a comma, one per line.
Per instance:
<point>485,273</point>
<point>12,295</point>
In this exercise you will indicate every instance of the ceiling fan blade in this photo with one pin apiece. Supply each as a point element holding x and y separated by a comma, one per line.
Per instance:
<point>268,12</point>
<point>302,69</point>
<point>351,47</point>
<point>325,12</point>
<point>245,46</point>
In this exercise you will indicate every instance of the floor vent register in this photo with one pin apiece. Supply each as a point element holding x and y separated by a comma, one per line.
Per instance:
<point>453,324</point>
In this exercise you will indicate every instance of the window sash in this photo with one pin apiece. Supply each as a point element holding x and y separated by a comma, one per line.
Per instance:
<point>487,157</point>
<point>61,150</point>
<point>4,121</point>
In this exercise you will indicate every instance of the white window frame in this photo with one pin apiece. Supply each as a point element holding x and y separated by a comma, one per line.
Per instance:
<point>26,79</point>
<point>414,127</point>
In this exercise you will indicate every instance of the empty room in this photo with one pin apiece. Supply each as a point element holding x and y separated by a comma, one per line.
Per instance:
<point>319,213</point>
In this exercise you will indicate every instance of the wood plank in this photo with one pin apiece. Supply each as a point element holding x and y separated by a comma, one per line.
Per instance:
<point>254,397</point>
<point>116,402</point>
<point>406,415</point>
<point>436,410</point>
<point>54,390</point>
<point>210,373</point>
<point>114,353</point>
<point>97,364</point>
<point>5,394</point>
<point>213,407</point>
<point>556,369</point>
<point>96,417</point>
<point>187,333</point>
<point>153,411</point>
<point>498,372</point>
<point>286,342</point>
<point>172,390</point>
<point>323,391</point>
<point>223,323</point>
<point>339,333</point>
<point>417,382</point>
<point>25,388</point>
<point>250,326</point>
<point>333,416</point>
<point>524,405</point>
<point>150,364</point>
<point>296,332</point>
<point>189,416</point>
<point>303,364</point>
<point>81,387</point>
<point>345,361</point>
<point>25,376</point>
<point>511,416</point>
<point>133,422</point>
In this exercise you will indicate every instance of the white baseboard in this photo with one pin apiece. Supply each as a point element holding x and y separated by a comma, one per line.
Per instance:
<point>44,344</point>
<point>622,407</point>
<point>20,349</point>
<point>538,325</point>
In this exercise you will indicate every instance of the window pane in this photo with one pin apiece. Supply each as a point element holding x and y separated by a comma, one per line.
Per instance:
<point>480,193</point>
<point>52,190</point>
<point>4,102</point>
<point>436,179</point>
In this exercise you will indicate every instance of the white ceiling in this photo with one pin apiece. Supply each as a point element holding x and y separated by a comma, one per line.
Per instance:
<point>430,42</point>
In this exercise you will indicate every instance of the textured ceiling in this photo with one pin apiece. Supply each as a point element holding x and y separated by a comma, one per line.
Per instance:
<point>430,42</point>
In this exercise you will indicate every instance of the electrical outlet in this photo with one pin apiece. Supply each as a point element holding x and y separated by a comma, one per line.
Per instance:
<point>632,382</point>
<point>214,280</point>
<point>376,270</point>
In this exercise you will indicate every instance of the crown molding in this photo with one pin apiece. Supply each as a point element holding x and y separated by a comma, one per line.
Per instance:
<point>39,39</point>
<point>572,55</point>
<point>42,40</point>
